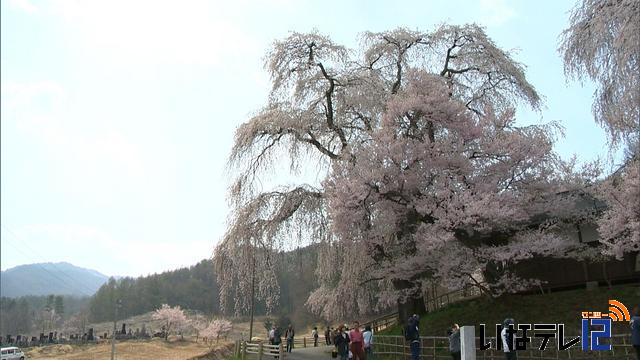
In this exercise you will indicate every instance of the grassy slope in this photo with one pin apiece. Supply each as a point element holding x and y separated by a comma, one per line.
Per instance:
<point>561,307</point>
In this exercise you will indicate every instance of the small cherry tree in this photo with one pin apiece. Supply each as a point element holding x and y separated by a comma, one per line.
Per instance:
<point>198,323</point>
<point>216,329</point>
<point>173,318</point>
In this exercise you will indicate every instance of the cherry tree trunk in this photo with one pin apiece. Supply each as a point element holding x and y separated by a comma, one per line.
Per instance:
<point>409,305</point>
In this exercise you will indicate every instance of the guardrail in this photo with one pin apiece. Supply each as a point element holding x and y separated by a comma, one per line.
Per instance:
<point>437,347</point>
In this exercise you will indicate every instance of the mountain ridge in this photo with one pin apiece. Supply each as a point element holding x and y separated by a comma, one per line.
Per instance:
<point>59,278</point>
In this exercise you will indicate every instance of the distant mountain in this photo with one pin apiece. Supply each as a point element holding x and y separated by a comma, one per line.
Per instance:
<point>50,278</point>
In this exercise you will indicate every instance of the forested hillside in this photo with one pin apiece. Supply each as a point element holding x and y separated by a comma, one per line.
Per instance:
<point>193,288</point>
<point>196,288</point>
<point>38,313</point>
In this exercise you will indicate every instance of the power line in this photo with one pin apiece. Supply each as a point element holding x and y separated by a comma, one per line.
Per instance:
<point>75,283</point>
<point>39,266</point>
<point>79,286</point>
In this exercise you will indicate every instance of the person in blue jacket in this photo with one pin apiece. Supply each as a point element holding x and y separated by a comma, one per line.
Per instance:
<point>635,330</point>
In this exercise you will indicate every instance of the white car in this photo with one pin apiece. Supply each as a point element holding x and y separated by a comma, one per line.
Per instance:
<point>11,353</point>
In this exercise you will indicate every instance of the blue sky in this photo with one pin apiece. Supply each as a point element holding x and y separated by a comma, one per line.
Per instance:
<point>117,116</point>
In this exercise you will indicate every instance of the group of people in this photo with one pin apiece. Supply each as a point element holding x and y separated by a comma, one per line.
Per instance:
<point>275,336</point>
<point>354,344</point>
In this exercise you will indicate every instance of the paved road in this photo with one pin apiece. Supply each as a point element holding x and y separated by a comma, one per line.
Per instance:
<point>321,352</point>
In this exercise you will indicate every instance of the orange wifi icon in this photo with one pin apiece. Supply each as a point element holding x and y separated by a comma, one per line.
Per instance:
<point>617,311</point>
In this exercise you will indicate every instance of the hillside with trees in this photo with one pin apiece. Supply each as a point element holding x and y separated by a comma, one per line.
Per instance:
<point>196,288</point>
<point>27,314</point>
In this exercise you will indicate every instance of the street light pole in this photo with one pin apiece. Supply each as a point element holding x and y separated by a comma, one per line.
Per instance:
<point>113,335</point>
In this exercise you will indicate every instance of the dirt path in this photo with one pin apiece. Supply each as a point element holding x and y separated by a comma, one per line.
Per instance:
<point>311,353</point>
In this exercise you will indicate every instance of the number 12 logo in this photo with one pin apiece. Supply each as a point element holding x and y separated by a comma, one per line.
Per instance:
<point>595,335</point>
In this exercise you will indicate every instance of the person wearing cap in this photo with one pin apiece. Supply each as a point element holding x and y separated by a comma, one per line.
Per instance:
<point>508,340</point>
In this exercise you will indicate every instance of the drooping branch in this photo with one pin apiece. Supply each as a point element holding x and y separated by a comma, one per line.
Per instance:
<point>602,43</point>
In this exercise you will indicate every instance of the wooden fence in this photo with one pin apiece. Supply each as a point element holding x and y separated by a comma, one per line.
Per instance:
<point>437,347</point>
<point>382,323</point>
<point>262,350</point>
<point>259,350</point>
<point>435,301</point>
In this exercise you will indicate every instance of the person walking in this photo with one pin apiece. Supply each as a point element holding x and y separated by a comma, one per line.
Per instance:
<point>272,335</point>
<point>367,336</point>
<point>289,334</point>
<point>314,334</point>
<point>454,341</point>
<point>357,342</point>
<point>341,342</point>
<point>508,340</point>
<point>635,330</point>
<point>327,336</point>
<point>412,335</point>
<point>277,339</point>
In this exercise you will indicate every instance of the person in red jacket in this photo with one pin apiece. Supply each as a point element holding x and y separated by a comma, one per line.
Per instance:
<point>357,342</point>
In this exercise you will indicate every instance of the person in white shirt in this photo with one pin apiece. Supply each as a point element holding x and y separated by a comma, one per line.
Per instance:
<point>367,336</point>
<point>509,351</point>
<point>271,334</point>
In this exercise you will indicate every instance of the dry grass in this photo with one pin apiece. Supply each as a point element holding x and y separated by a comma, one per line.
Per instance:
<point>139,350</point>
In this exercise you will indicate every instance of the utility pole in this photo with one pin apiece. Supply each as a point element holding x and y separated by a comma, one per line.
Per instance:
<point>253,279</point>
<point>113,335</point>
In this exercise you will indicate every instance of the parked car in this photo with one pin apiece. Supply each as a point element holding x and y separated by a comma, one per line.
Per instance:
<point>11,353</point>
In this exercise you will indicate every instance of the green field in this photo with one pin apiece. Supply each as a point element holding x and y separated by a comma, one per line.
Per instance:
<point>559,307</point>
